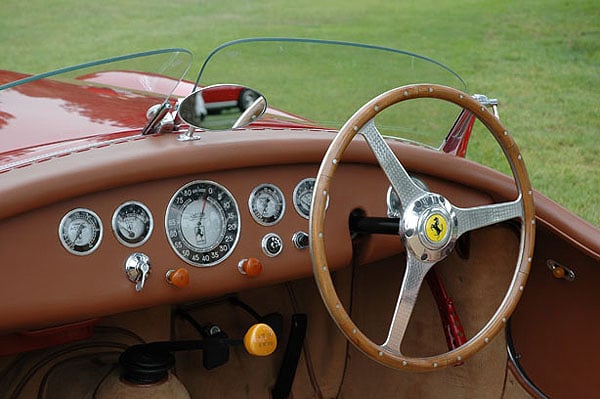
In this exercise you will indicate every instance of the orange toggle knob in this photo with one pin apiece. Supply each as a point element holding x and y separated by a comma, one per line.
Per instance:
<point>179,278</point>
<point>250,267</point>
<point>558,272</point>
<point>260,340</point>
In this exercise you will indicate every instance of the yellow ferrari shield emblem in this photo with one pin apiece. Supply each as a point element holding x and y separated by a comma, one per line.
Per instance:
<point>436,228</point>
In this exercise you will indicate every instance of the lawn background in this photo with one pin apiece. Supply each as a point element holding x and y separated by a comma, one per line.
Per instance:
<point>540,58</point>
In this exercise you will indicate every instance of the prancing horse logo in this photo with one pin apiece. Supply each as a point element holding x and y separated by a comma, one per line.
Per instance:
<point>435,226</point>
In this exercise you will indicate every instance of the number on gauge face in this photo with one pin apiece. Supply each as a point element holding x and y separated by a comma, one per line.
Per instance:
<point>80,231</point>
<point>267,204</point>
<point>202,223</point>
<point>132,223</point>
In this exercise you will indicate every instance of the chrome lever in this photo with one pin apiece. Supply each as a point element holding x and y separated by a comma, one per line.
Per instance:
<point>137,269</point>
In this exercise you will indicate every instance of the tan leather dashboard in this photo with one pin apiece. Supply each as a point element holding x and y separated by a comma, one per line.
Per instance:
<point>44,285</point>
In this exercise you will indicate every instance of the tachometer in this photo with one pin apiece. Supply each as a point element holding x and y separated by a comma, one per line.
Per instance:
<point>202,223</point>
<point>80,231</point>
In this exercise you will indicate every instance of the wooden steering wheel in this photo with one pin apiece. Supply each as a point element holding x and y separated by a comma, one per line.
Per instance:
<point>429,228</point>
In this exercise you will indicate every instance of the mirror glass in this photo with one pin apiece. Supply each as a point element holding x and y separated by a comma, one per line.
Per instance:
<point>222,107</point>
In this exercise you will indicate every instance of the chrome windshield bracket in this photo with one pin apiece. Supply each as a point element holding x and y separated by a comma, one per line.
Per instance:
<point>488,102</point>
<point>156,117</point>
<point>189,135</point>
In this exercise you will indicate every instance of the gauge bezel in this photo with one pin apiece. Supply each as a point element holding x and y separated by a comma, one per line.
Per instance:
<point>99,231</point>
<point>295,199</point>
<point>394,207</point>
<point>176,237</point>
<point>254,196</point>
<point>149,226</point>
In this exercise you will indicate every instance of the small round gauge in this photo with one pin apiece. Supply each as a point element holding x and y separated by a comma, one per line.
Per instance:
<point>267,204</point>
<point>394,207</point>
<point>303,196</point>
<point>203,223</point>
<point>132,223</point>
<point>80,231</point>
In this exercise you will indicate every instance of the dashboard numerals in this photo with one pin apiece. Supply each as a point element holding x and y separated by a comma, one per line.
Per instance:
<point>267,204</point>
<point>132,223</point>
<point>202,223</point>
<point>80,231</point>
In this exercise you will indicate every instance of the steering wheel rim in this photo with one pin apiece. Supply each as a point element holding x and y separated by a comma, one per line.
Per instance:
<point>457,220</point>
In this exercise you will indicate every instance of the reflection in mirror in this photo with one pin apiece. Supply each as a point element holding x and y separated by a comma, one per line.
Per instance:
<point>222,107</point>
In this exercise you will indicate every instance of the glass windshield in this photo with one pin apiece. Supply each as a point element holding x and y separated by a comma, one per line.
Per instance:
<point>323,81</point>
<point>91,99</point>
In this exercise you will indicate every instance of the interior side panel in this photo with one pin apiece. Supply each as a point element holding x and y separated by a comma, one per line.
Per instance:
<point>553,354</point>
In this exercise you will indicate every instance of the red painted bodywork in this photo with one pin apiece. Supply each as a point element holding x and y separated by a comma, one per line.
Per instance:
<point>46,117</point>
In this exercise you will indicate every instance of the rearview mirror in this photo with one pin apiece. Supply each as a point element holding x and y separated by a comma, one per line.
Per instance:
<point>222,107</point>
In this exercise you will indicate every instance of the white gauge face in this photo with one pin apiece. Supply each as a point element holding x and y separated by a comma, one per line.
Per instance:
<point>303,196</point>
<point>203,223</point>
<point>132,223</point>
<point>266,204</point>
<point>80,231</point>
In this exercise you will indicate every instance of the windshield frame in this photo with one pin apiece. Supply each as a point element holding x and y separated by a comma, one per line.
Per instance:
<point>104,61</point>
<point>319,41</point>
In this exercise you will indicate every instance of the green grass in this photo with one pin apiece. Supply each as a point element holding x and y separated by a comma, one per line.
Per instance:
<point>540,58</point>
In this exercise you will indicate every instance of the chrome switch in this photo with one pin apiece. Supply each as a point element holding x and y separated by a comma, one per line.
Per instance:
<point>137,268</point>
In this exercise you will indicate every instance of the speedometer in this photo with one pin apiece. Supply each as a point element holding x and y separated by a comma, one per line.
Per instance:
<point>202,223</point>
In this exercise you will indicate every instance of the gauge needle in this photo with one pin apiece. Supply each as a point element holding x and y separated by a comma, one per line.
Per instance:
<point>127,229</point>
<point>265,205</point>
<point>203,205</point>
<point>80,228</point>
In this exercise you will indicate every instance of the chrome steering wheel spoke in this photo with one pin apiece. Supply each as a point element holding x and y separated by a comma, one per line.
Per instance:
<point>414,275</point>
<point>403,184</point>
<point>481,216</point>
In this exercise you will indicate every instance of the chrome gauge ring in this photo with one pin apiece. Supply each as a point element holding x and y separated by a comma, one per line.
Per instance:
<point>132,223</point>
<point>202,223</point>
<point>267,204</point>
<point>80,231</point>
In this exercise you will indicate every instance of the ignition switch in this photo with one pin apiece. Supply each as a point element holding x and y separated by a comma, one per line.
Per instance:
<point>137,268</point>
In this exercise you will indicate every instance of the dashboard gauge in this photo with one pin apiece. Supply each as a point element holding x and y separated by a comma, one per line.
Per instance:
<point>267,204</point>
<point>132,223</point>
<point>203,223</point>
<point>394,207</point>
<point>80,231</point>
<point>303,196</point>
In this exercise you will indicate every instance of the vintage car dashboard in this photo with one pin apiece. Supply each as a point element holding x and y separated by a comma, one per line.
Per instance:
<point>71,225</point>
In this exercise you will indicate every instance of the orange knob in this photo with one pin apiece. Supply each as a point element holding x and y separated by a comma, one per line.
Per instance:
<point>260,340</point>
<point>250,267</point>
<point>558,272</point>
<point>179,278</point>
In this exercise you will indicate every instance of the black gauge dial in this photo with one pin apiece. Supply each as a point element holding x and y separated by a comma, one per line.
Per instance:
<point>80,231</point>
<point>203,223</point>
<point>267,204</point>
<point>132,223</point>
<point>303,196</point>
